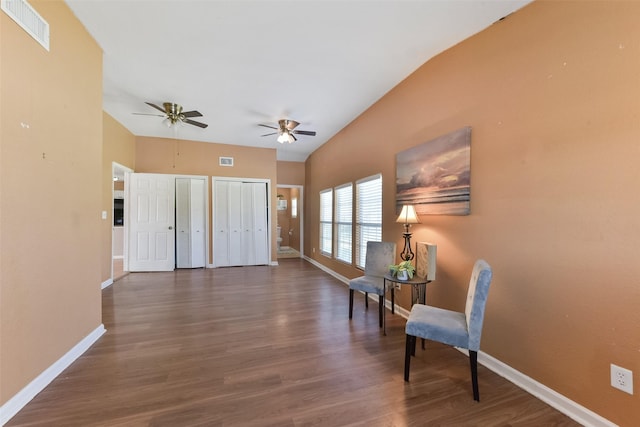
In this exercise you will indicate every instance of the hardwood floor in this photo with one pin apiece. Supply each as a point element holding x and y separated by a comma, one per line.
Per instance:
<point>265,346</point>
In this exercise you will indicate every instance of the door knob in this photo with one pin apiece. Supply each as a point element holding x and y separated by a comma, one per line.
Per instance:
<point>170,228</point>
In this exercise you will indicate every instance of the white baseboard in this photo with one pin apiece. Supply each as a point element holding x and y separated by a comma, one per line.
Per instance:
<point>573,410</point>
<point>106,283</point>
<point>24,396</point>
<point>328,270</point>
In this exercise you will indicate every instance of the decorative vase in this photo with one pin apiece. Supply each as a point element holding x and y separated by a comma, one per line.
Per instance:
<point>403,275</point>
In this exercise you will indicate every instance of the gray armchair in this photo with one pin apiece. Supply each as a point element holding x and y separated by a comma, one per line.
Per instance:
<point>379,256</point>
<point>451,327</point>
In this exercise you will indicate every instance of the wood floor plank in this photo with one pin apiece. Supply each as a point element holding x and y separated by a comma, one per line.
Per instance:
<point>265,346</point>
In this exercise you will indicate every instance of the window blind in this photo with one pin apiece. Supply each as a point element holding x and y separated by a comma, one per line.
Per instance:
<point>368,215</point>
<point>344,222</point>
<point>326,221</point>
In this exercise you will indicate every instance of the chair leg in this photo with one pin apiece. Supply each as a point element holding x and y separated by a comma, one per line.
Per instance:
<point>380,308</point>
<point>366,300</point>
<point>393,300</point>
<point>413,345</point>
<point>408,351</point>
<point>350,303</point>
<point>473,360</point>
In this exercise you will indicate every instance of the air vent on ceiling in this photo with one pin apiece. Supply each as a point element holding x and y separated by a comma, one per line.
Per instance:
<point>30,21</point>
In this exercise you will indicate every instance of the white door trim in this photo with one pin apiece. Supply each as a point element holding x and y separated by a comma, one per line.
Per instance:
<point>119,170</point>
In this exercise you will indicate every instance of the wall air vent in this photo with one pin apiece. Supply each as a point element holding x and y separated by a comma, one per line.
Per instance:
<point>225,161</point>
<point>30,21</point>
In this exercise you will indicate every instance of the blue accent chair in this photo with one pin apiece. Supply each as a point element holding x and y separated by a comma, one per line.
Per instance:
<point>379,256</point>
<point>457,329</point>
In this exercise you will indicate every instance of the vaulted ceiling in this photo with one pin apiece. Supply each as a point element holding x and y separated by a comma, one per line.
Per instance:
<point>244,63</point>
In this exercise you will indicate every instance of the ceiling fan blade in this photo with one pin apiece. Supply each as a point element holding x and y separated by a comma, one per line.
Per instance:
<point>156,107</point>
<point>145,114</point>
<point>193,122</point>
<point>193,113</point>
<point>304,132</point>
<point>267,134</point>
<point>267,126</point>
<point>294,138</point>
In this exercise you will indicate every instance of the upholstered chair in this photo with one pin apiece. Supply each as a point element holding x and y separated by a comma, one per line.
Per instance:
<point>379,256</point>
<point>454,328</point>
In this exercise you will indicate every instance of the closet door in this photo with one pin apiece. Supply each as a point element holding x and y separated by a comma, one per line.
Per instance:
<point>254,223</point>
<point>234,209</point>
<point>221,224</point>
<point>241,223</point>
<point>260,224</point>
<point>248,226</point>
<point>183,224</point>
<point>190,223</point>
<point>198,216</point>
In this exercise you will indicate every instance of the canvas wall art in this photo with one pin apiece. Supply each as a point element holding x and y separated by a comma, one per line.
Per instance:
<point>426,254</point>
<point>435,176</point>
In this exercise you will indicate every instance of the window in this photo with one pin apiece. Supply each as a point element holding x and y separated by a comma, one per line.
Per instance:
<point>326,221</point>
<point>294,207</point>
<point>344,222</point>
<point>368,215</point>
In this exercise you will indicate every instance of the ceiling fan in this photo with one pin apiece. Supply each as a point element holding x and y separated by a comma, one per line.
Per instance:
<point>173,114</point>
<point>285,131</point>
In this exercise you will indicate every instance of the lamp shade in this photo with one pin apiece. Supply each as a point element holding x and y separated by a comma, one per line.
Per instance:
<point>408,215</point>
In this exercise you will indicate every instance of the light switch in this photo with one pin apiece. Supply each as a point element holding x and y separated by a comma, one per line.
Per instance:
<point>104,214</point>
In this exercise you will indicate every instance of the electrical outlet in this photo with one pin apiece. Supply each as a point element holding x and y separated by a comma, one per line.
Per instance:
<point>622,379</point>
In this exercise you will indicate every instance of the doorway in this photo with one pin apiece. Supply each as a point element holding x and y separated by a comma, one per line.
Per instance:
<point>289,237</point>
<point>119,173</point>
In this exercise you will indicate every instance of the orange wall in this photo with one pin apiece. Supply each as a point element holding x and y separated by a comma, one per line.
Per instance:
<point>173,156</point>
<point>118,146</point>
<point>552,94</point>
<point>290,173</point>
<point>50,181</point>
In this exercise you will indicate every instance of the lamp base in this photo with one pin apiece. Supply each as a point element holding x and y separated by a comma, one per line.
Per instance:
<point>407,253</point>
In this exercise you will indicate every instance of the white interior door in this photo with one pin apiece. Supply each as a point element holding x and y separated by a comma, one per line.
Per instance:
<point>260,223</point>
<point>183,223</point>
<point>198,217</point>
<point>190,222</point>
<point>221,224</point>
<point>248,226</point>
<point>234,206</point>
<point>151,219</point>
<point>241,226</point>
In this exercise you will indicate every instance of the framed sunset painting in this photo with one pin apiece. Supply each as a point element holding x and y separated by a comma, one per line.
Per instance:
<point>435,177</point>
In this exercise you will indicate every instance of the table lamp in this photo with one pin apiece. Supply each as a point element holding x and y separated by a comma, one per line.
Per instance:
<point>407,216</point>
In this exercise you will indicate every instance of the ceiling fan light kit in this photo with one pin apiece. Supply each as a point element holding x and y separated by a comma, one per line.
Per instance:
<point>285,136</point>
<point>285,131</point>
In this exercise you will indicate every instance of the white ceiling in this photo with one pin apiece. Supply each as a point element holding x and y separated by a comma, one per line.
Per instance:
<point>241,63</point>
